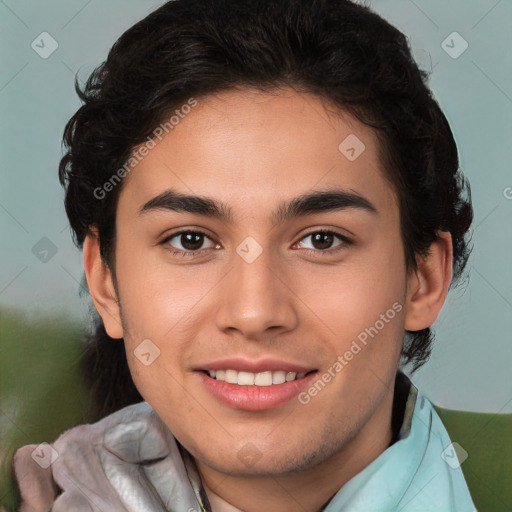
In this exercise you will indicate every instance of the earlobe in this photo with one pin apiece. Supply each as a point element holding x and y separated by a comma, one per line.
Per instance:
<point>428,285</point>
<point>101,286</point>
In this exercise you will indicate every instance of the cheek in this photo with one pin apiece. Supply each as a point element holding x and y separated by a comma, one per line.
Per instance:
<point>156,296</point>
<point>349,299</point>
<point>362,304</point>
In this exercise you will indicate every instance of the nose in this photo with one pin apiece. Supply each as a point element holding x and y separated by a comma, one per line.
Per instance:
<point>257,299</point>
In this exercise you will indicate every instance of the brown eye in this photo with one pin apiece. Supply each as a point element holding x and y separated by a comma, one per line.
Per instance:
<point>189,241</point>
<point>324,240</point>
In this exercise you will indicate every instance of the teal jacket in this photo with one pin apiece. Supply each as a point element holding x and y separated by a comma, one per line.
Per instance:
<point>420,472</point>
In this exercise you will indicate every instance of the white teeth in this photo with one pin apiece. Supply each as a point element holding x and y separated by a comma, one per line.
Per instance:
<point>263,379</point>
<point>245,379</point>
<point>231,376</point>
<point>267,378</point>
<point>278,377</point>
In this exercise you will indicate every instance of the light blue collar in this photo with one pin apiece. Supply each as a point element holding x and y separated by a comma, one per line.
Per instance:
<point>410,475</point>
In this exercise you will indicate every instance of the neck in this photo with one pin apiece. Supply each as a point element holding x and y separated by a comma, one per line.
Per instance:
<point>310,489</point>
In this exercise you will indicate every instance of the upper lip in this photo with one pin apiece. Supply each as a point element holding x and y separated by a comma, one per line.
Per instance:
<point>262,365</point>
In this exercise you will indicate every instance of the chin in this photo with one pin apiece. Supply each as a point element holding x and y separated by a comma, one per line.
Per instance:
<point>250,461</point>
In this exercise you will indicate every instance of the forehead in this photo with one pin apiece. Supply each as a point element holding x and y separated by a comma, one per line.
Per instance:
<point>251,149</point>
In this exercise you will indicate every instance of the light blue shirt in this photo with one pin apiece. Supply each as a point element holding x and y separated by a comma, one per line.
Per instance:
<point>418,473</point>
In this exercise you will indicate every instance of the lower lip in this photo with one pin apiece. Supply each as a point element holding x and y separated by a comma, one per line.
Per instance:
<point>255,398</point>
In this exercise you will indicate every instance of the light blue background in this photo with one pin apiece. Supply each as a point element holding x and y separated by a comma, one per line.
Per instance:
<point>471,365</point>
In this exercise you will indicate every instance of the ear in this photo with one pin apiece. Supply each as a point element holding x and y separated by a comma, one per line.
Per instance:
<point>428,285</point>
<point>101,286</point>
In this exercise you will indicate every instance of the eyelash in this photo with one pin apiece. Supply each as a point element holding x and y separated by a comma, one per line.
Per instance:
<point>314,252</point>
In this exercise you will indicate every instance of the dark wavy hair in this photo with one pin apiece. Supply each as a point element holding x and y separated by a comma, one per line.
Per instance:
<point>335,49</point>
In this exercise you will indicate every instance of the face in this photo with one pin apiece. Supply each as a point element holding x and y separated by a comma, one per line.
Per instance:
<point>287,280</point>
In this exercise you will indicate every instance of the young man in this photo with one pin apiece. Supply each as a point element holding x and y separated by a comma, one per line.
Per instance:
<point>271,214</point>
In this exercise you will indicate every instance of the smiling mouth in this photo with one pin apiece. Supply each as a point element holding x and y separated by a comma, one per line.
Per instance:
<point>266,378</point>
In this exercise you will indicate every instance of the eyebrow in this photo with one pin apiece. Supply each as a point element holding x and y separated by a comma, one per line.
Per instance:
<point>313,202</point>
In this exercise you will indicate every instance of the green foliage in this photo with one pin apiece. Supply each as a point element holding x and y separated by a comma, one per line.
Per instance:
<point>488,469</point>
<point>41,390</point>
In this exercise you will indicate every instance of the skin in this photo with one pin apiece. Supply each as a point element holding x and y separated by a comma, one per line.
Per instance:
<point>253,150</point>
